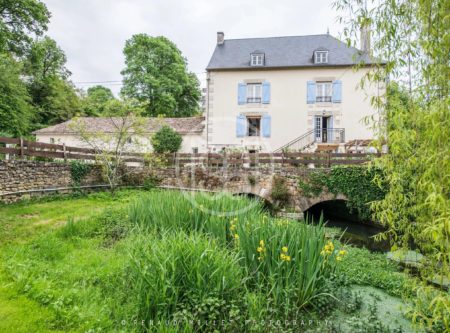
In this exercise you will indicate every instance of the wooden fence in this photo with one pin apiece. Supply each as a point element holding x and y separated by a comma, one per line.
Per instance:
<point>19,148</point>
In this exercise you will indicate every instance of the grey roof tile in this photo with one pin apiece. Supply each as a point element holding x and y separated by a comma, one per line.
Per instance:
<point>106,125</point>
<point>289,51</point>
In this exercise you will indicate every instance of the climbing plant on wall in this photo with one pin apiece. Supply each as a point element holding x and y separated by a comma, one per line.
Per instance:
<point>357,183</point>
<point>78,170</point>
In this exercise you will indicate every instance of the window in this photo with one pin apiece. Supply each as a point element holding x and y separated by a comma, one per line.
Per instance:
<point>254,92</point>
<point>324,91</point>
<point>52,140</point>
<point>257,59</point>
<point>254,126</point>
<point>194,150</point>
<point>321,57</point>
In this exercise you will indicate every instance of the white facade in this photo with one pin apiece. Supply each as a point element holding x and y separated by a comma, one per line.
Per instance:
<point>291,115</point>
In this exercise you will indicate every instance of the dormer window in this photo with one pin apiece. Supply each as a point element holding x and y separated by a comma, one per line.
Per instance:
<point>257,59</point>
<point>321,57</point>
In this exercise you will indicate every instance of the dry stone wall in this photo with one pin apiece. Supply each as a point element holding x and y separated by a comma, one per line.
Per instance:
<point>22,179</point>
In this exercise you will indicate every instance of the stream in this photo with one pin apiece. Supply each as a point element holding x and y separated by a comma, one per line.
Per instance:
<point>355,231</point>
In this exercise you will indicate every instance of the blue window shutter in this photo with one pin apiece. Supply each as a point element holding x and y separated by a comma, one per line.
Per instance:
<point>310,92</point>
<point>241,126</point>
<point>242,93</point>
<point>266,92</point>
<point>337,91</point>
<point>266,125</point>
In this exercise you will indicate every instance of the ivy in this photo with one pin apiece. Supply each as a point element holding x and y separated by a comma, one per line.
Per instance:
<point>357,183</point>
<point>78,170</point>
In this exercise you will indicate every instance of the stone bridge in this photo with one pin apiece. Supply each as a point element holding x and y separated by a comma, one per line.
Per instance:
<point>252,182</point>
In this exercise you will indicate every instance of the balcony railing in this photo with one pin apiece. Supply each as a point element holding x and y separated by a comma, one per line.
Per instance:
<point>326,99</point>
<point>330,135</point>
<point>253,99</point>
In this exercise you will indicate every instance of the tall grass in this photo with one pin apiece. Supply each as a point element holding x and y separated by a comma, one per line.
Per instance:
<point>184,278</point>
<point>284,259</point>
<point>205,213</point>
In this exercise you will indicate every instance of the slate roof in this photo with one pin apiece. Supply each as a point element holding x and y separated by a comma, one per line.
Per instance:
<point>289,51</point>
<point>107,125</point>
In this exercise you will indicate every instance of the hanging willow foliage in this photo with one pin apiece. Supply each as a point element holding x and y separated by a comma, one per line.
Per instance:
<point>412,40</point>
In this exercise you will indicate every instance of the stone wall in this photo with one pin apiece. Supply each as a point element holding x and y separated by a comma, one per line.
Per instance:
<point>21,179</point>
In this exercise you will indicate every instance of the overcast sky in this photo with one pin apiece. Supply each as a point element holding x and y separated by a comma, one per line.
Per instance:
<point>92,33</point>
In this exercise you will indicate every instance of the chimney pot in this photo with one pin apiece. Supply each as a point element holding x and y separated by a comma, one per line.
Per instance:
<point>220,38</point>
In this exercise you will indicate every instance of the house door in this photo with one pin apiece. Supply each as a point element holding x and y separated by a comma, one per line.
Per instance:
<point>323,126</point>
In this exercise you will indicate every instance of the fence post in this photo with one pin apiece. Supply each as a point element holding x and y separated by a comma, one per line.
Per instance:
<point>64,152</point>
<point>21,147</point>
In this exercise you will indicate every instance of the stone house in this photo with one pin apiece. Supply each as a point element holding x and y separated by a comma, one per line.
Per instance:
<point>294,93</point>
<point>190,128</point>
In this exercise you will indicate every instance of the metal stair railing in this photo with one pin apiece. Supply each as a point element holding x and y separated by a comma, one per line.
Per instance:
<point>300,143</point>
<point>327,135</point>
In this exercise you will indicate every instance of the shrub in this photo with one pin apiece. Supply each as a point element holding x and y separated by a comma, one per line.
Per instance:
<point>251,180</point>
<point>280,191</point>
<point>363,267</point>
<point>151,181</point>
<point>357,183</point>
<point>78,170</point>
<point>166,140</point>
<point>430,308</point>
<point>114,224</point>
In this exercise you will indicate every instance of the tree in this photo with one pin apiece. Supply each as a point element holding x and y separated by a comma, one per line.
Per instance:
<point>15,110</point>
<point>413,37</point>
<point>96,100</point>
<point>18,20</point>
<point>156,72</point>
<point>58,102</point>
<point>166,140</point>
<point>45,59</point>
<point>54,98</point>
<point>111,147</point>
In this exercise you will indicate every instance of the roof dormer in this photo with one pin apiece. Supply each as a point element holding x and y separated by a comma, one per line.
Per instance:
<point>320,56</point>
<point>257,58</point>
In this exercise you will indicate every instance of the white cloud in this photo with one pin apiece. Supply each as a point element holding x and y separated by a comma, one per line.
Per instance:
<point>93,32</point>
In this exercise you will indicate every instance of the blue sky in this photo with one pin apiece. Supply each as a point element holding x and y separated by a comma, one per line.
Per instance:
<point>93,32</point>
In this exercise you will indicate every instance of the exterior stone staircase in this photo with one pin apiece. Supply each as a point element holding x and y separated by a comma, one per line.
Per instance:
<point>325,140</point>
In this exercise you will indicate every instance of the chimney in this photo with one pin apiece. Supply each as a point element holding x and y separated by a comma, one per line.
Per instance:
<point>365,38</point>
<point>220,37</point>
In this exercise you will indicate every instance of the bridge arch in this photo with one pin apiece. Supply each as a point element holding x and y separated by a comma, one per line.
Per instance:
<point>267,203</point>
<point>306,203</point>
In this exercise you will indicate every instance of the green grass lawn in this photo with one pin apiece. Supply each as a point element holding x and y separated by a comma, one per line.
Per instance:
<point>80,264</point>
<point>21,223</point>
